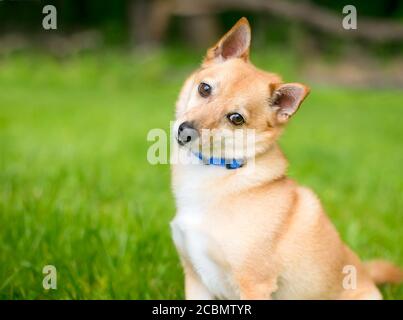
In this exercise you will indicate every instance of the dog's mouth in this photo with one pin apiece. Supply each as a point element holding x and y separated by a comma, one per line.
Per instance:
<point>180,142</point>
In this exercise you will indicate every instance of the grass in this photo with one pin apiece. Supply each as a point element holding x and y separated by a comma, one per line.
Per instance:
<point>77,192</point>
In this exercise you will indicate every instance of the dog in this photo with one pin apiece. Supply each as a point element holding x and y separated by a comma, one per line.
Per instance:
<point>243,229</point>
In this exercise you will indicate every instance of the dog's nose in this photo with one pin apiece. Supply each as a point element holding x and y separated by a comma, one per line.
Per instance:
<point>186,133</point>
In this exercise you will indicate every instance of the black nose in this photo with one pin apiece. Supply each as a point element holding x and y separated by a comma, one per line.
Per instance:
<point>185,125</point>
<point>186,133</point>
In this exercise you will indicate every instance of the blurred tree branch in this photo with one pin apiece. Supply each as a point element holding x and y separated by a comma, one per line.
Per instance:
<point>375,30</point>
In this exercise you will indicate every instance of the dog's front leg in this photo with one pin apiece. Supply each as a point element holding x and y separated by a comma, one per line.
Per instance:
<point>194,287</point>
<point>256,289</point>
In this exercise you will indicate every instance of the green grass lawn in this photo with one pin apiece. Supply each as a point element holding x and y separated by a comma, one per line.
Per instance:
<point>77,192</point>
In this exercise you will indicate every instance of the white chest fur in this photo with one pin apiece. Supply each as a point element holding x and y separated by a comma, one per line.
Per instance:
<point>194,243</point>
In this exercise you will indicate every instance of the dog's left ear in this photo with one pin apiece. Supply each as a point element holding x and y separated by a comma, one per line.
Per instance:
<point>234,44</point>
<point>286,98</point>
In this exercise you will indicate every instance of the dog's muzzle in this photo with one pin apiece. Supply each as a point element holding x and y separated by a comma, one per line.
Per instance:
<point>186,133</point>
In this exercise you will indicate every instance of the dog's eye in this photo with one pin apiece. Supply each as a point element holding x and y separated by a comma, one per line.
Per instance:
<point>236,119</point>
<point>204,89</point>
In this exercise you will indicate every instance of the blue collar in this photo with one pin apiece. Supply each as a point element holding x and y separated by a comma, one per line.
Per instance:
<point>221,162</point>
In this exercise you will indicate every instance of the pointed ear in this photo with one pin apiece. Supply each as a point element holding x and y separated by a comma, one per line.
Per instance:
<point>286,99</point>
<point>234,44</point>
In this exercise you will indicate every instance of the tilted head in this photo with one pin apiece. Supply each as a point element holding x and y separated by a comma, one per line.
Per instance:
<point>228,94</point>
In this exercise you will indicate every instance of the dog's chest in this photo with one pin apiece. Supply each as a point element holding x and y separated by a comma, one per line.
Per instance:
<point>199,248</point>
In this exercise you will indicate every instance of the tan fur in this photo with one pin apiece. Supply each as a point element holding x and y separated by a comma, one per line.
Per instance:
<point>382,271</point>
<point>268,236</point>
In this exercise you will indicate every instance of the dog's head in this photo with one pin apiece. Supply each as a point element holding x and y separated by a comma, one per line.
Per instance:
<point>227,96</point>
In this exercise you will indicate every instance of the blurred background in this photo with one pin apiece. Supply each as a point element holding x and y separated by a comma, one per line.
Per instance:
<point>76,104</point>
<point>308,29</point>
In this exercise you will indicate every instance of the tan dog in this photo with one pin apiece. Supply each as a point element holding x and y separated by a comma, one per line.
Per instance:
<point>247,231</point>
